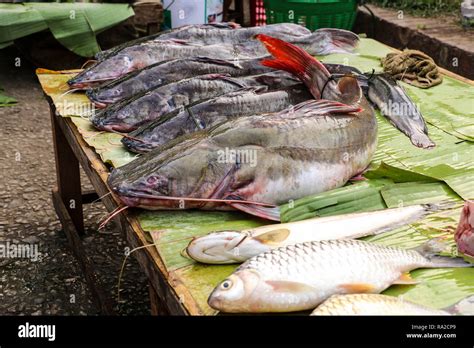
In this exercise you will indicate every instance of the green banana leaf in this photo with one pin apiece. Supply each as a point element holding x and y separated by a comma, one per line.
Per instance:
<point>6,100</point>
<point>400,174</point>
<point>74,25</point>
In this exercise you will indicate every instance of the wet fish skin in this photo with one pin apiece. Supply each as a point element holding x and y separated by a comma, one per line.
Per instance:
<point>227,247</point>
<point>312,147</point>
<point>169,33</point>
<point>464,234</point>
<point>145,54</point>
<point>298,152</point>
<point>372,304</point>
<point>208,113</point>
<point>301,276</point>
<point>130,58</point>
<point>208,35</point>
<point>164,73</point>
<point>341,40</point>
<point>394,103</point>
<point>129,114</point>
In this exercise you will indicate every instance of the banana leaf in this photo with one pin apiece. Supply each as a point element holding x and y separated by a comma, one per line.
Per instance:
<point>6,100</point>
<point>74,25</point>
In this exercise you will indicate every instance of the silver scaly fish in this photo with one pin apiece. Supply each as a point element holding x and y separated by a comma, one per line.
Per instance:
<point>372,304</point>
<point>301,276</point>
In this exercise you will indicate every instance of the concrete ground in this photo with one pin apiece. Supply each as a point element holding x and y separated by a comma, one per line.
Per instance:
<point>53,284</point>
<point>442,37</point>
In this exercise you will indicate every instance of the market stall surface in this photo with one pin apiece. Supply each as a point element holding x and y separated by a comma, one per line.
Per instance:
<point>53,284</point>
<point>406,175</point>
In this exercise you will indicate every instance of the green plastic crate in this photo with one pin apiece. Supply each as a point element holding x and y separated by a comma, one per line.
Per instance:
<point>313,14</point>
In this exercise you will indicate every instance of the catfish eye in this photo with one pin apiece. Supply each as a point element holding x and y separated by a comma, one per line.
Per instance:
<point>226,284</point>
<point>153,180</point>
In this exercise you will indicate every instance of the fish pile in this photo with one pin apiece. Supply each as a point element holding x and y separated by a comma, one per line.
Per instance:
<point>202,146</point>
<point>317,264</point>
<point>230,118</point>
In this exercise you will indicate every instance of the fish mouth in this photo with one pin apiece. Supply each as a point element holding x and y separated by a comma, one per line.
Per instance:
<point>116,127</point>
<point>99,102</point>
<point>100,105</point>
<point>89,83</point>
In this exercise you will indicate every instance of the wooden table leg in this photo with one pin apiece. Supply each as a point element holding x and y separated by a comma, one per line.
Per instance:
<point>156,304</point>
<point>68,175</point>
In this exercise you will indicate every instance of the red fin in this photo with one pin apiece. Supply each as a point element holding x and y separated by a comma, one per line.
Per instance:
<point>295,60</point>
<point>268,213</point>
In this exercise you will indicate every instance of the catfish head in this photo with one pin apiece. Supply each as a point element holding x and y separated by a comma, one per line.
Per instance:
<point>109,69</point>
<point>187,175</point>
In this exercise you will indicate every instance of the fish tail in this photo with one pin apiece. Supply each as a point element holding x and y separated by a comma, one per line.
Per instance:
<point>341,41</point>
<point>448,262</point>
<point>296,61</point>
<point>440,206</point>
<point>432,247</point>
<point>421,140</point>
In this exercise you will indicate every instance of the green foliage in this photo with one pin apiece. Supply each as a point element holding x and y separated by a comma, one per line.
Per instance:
<point>74,25</point>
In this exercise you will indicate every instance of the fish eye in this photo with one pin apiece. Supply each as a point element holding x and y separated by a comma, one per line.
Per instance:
<point>226,284</point>
<point>152,180</point>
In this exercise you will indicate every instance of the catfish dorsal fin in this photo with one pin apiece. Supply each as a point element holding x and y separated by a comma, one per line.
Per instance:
<point>350,89</point>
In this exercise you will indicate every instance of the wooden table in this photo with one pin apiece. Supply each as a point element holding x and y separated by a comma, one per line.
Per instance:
<point>71,151</point>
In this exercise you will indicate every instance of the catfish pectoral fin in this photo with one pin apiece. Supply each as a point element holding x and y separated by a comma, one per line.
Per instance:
<point>268,213</point>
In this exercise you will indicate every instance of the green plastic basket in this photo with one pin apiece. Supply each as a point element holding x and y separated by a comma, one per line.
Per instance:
<point>313,14</point>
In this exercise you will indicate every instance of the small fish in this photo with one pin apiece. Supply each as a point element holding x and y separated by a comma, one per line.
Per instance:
<point>399,109</point>
<point>372,304</point>
<point>142,108</point>
<point>464,235</point>
<point>205,114</point>
<point>238,246</point>
<point>163,73</point>
<point>131,58</point>
<point>299,277</point>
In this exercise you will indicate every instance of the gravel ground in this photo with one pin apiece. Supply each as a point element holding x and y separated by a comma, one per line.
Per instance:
<point>53,284</point>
